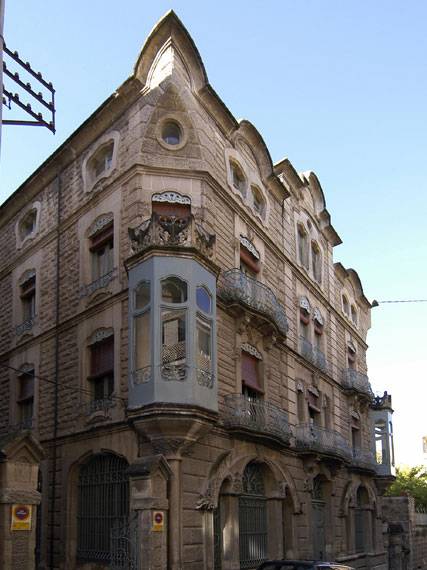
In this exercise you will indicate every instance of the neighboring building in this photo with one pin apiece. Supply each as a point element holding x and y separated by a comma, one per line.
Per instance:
<point>181,344</point>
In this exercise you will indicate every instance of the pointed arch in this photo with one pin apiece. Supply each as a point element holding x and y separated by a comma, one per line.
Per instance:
<point>170,34</point>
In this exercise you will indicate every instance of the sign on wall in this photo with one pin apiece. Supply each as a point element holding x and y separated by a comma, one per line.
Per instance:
<point>158,521</point>
<point>21,517</point>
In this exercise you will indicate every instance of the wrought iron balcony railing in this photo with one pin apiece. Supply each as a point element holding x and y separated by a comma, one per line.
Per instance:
<point>354,380</point>
<point>314,355</point>
<point>27,325</point>
<point>363,458</point>
<point>99,283</point>
<point>256,416</point>
<point>234,286</point>
<point>168,231</point>
<point>312,438</point>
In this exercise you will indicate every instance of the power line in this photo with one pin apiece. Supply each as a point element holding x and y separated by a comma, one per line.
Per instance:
<point>44,379</point>
<point>375,303</point>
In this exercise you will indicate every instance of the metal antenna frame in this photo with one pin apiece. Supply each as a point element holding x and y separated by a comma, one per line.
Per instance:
<point>9,97</point>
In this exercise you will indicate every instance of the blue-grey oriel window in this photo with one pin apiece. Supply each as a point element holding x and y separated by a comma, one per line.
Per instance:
<point>174,290</point>
<point>203,299</point>
<point>142,327</point>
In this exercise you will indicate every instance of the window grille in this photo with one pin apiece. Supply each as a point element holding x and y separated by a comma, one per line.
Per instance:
<point>103,502</point>
<point>252,518</point>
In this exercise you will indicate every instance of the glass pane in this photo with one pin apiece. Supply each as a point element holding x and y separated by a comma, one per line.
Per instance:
<point>174,290</point>
<point>142,294</point>
<point>203,299</point>
<point>142,341</point>
<point>204,346</point>
<point>171,133</point>
<point>173,337</point>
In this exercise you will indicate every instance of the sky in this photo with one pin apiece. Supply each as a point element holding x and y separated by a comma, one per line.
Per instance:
<point>339,88</point>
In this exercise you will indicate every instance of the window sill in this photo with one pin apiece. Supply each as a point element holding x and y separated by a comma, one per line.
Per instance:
<point>101,283</point>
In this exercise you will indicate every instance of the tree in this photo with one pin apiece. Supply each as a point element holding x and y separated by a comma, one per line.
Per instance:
<point>411,481</point>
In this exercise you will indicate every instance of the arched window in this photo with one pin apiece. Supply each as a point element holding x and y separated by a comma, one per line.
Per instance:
<point>258,201</point>
<point>27,225</point>
<point>302,246</point>
<point>238,178</point>
<point>103,502</point>
<point>361,532</point>
<point>316,262</point>
<point>142,332</point>
<point>102,160</point>
<point>204,362</point>
<point>174,293</point>
<point>253,518</point>
<point>345,305</point>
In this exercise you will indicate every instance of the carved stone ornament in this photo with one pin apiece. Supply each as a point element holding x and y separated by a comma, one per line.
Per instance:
<point>140,236</point>
<point>250,247</point>
<point>29,274</point>
<point>100,223</point>
<point>251,350</point>
<point>172,198</point>
<point>26,368</point>
<point>206,502</point>
<point>99,335</point>
<point>172,372</point>
<point>142,376</point>
<point>283,489</point>
<point>304,304</point>
<point>205,378</point>
<point>204,240</point>
<point>317,316</point>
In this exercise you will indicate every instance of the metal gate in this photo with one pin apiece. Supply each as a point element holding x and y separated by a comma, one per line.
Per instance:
<point>252,518</point>
<point>125,545</point>
<point>318,505</point>
<point>217,531</point>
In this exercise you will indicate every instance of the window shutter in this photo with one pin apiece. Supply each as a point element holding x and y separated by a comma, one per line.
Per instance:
<point>102,357</point>
<point>171,209</point>
<point>250,376</point>
<point>102,237</point>
<point>26,388</point>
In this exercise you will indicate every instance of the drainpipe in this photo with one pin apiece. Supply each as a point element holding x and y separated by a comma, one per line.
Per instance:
<point>58,183</point>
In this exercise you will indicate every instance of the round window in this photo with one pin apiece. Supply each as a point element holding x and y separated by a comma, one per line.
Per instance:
<point>171,133</point>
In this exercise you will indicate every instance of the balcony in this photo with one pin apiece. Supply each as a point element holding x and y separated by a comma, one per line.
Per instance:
<point>26,326</point>
<point>100,283</point>
<point>316,439</point>
<point>363,459</point>
<point>256,417</point>
<point>236,287</point>
<point>171,232</point>
<point>314,355</point>
<point>357,382</point>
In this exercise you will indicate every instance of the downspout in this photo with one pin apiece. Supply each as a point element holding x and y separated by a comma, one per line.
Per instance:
<point>58,183</point>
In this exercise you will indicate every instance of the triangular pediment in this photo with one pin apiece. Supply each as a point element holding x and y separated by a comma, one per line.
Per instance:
<point>21,448</point>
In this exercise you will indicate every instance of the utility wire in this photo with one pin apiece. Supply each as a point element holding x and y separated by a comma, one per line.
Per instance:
<point>44,379</point>
<point>375,303</point>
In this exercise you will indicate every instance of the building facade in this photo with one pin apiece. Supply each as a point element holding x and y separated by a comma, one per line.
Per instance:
<point>179,346</point>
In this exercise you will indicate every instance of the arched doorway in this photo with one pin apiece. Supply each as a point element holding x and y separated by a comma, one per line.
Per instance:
<point>252,518</point>
<point>103,502</point>
<point>361,520</point>
<point>318,506</point>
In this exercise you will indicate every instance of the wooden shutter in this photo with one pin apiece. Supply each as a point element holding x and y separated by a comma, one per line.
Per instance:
<point>250,373</point>
<point>102,357</point>
<point>102,237</point>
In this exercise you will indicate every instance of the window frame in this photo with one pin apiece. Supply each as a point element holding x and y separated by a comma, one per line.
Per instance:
<point>104,377</point>
<point>182,367</point>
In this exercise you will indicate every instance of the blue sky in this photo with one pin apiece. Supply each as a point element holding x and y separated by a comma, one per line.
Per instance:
<point>338,87</point>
